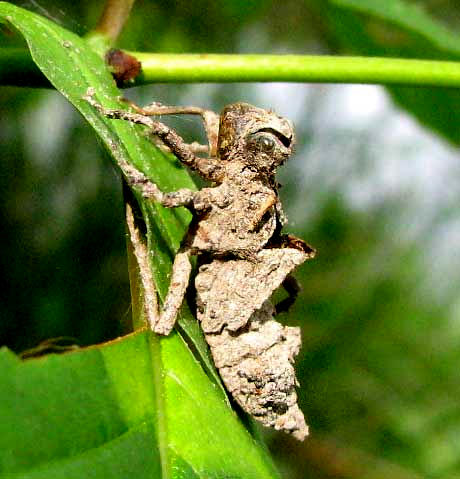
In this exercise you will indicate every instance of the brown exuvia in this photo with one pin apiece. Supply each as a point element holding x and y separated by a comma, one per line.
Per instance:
<point>243,256</point>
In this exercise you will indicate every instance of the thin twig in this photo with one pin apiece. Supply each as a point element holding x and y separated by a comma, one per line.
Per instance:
<point>113,18</point>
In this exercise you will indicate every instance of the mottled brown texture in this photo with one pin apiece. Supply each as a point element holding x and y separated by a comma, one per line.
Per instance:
<point>254,353</point>
<point>243,257</point>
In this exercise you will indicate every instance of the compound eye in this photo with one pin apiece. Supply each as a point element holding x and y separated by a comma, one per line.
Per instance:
<point>266,143</point>
<point>263,142</point>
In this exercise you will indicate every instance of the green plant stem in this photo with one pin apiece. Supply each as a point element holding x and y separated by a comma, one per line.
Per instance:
<point>17,68</point>
<point>296,68</point>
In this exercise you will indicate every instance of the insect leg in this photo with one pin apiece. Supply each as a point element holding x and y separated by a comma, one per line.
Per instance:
<point>179,281</point>
<point>160,321</point>
<point>210,119</point>
<point>207,167</point>
<point>141,255</point>
<point>263,208</point>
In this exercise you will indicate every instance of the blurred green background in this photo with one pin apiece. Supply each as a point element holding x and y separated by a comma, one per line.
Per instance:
<point>374,186</point>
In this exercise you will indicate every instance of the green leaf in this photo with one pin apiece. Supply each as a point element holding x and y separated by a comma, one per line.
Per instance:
<point>396,28</point>
<point>405,24</point>
<point>72,67</point>
<point>95,413</point>
<point>141,392</point>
